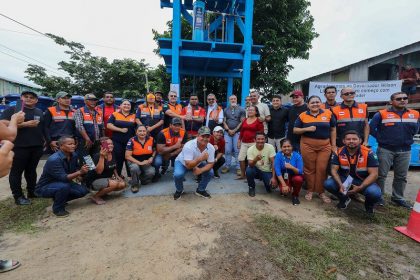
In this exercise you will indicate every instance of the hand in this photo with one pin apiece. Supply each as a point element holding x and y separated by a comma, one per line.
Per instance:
<point>6,157</point>
<point>355,189</point>
<point>54,146</point>
<point>311,128</point>
<point>342,189</point>
<point>149,129</point>
<point>31,123</point>
<point>258,158</point>
<point>84,169</point>
<point>204,156</point>
<point>88,143</point>
<point>196,171</point>
<point>178,143</point>
<point>334,149</point>
<point>103,152</point>
<point>366,143</point>
<point>273,182</point>
<point>285,189</point>
<point>19,117</point>
<point>216,147</point>
<point>239,145</point>
<point>150,160</point>
<point>288,166</point>
<point>124,130</point>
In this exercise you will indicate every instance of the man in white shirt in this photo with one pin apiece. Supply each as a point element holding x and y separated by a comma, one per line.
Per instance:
<point>197,156</point>
<point>263,109</point>
<point>214,112</point>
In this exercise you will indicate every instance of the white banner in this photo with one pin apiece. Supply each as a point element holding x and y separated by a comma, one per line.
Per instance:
<point>371,91</point>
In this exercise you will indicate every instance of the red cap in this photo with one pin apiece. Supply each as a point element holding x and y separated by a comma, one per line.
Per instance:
<point>296,93</point>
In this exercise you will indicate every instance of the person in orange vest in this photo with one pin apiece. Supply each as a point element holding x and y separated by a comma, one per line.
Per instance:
<point>361,164</point>
<point>169,144</point>
<point>140,154</point>
<point>107,109</point>
<point>330,94</point>
<point>351,115</point>
<point>89,126</point>
<point>194,116</point>
<point>59,121</point>
<point>159,99</point>
<point>214,112</point>
<point>172,109</point>
<point>150,115</point>
<point>394,129</point>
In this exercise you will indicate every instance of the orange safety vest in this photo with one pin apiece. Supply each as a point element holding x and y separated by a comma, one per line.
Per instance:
<point>60,115</point>
<point>147,112</point>
<point>176,109</point>
<point>140,149</point>
<point>171,140</point>
<point>389,118</point>
<point>361,161</point>
<point>350,119</point>
<point>88,118</point>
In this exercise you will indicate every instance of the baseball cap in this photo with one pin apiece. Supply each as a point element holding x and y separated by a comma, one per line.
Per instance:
<point>296,93</point>
<point>218,128</point>
<point>204,130</point>
<point>29,92</point>
<point>90,96</point>
<point>62,94</point>
<point>176,120</point>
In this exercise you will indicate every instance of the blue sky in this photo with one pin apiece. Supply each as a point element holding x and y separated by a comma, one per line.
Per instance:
<point>349,31</point>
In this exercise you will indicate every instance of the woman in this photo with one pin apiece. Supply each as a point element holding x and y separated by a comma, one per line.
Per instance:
<point>249,128</point>
<point>318,130</point>
<point>150,114</point>
<point>123,126</point>
<point>104,178</point>
<point>140,153</point>
<point>288,166</point>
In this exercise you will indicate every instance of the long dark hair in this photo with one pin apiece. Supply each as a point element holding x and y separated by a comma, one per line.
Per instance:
<point>257,113</point>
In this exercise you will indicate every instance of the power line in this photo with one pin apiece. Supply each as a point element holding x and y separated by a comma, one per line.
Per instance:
<point>23,25</point>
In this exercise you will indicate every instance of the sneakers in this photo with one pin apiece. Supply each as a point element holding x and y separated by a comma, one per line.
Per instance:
<point>22,201</point>
<point>295,200</point>
<point>369,211</point>
<point>178,194</point>
<point>61,214</point>
<point>251,192</point>
<point>216,175</point>
<point>164,170</point>
<point>156,178</point>
<point>135,188</point>
<point>343,205</point>
<point>225,170</point>
<point>238,172</point>
<point>202,193</point>
<point>402,203</point>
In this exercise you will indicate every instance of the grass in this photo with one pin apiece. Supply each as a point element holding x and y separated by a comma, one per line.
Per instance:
<point>21,218</point>
<point>359,243</point>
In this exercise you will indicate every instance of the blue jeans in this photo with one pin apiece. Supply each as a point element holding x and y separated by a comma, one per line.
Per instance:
<point>231,147</point>
<point>372,192</point>
<point>61,192</point>
<point>161,162</point>
<point>252,172</point>
<point>179,175</point>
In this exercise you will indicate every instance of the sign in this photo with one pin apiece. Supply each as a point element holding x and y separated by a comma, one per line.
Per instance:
<point>372,91</point>
<point>175,88</point>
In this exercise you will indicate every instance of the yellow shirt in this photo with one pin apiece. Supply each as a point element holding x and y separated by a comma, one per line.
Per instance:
<point>266,153</point>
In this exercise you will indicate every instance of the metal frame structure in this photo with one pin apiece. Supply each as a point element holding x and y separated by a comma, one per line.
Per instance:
<point>208,54</point>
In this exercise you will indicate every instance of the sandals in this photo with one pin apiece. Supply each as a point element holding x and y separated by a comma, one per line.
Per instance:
<point>308,196</point>
<point>7,265</point>
<point>324,198</point>
<point>97,200</point>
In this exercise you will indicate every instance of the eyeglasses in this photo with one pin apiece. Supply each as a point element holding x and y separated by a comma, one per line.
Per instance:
<point>349,93</point>
<point>172,95</point>
<point>401,98</point>
<point>210,99</point>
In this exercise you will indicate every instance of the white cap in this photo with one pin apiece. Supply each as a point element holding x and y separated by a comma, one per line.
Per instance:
<point>218,128</point>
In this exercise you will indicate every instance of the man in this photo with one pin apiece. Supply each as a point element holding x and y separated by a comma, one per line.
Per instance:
<point>193,115</point>
<point>361,164</point>
<point>394,129</point>
<point>159,99</point>
<point>277,123</point>
<point>169,144</point>
<point>58,120</point>
<point>351,115</point>
<point>197,156</point>
<point>89,126</point>
<point>299,106</point>
<point>150,115</point>
<point>106,109</point>
<point>219,146</point>
<point>409,77</point>
<point>140,153</point>
<point>57,177</point>
<point>172,109</point>
<point>263,109</point>
<point>28,147</point>
<point>232,122</point>
<point>330,94</point>
<point>260,164</point>
<point>214,112</point>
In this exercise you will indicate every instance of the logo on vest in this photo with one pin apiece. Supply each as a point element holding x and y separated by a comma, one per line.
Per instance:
<point>411,116</point>
<point>341,113</point>
<point>360,111</point>
<point>149,148</point>
<point>390,116</point>
<point>324,118</point>
<point>361,159</point>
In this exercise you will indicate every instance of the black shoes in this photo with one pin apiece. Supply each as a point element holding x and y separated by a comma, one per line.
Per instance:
<point>22,201</point>
<point>251,192</point>
<point>295,200</point>
<point>178,194</point>
<point>202,193</point>
<point>61,214</point>
<point>135,188</point>
<point>216,175</point>
<point>156,178</point>
<point>31,195</point>
<point>343,205</point>
<point>402,203</point>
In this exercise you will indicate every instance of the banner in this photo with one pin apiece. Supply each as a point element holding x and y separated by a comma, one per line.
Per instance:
<point>372,91</point>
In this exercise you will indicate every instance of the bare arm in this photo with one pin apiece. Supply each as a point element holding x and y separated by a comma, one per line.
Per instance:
<point>366,133</point>
<point>333,139</point>
<point>299,130</point>
<point>112,127</point>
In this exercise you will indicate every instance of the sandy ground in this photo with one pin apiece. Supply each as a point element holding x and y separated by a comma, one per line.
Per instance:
<point>144,237</point>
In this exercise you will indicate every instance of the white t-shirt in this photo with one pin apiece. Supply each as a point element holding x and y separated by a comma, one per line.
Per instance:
<point>264,111</point>
<point>190,151</point>
<point>211,109</point>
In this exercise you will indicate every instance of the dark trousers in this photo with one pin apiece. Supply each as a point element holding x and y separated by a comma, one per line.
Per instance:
<point>25,162</point>
<point>61,192</point>
<point>119,153</point>
<point>218,164</point>
<point>253,172</point>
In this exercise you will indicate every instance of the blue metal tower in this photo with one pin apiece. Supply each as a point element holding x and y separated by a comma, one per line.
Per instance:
<point>212,51</point>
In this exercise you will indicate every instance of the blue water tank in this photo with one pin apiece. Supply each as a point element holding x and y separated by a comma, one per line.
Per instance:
<point>77,101</point>
<point>44,102</point>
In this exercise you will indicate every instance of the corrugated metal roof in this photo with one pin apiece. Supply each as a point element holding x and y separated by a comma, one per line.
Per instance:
<point>19,83</point>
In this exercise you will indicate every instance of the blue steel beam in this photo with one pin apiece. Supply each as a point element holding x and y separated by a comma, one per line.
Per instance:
<point>207,73</point>
<point>186,15</point>
<point>240,25</point>
<point>176,40</point>
<point>209,54</point>
<point>215,24</point>
<point>249,13</point>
